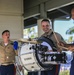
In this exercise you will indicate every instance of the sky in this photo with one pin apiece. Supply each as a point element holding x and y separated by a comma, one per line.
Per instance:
<point>61,26</point>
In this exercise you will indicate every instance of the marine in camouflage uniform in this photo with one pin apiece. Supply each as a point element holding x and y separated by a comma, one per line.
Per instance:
<point>7,55</point>
<point>72,63</point>
<point>48,33</point>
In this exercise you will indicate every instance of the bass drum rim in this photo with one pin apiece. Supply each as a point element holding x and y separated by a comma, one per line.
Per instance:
<point>50,42</point>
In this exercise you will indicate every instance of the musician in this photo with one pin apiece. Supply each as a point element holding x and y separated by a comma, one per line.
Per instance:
<point>56,38</point>
<point>72,47</point>
<point>7,54</point>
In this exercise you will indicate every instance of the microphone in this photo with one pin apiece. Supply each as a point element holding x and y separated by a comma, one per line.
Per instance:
<point>15,45</point>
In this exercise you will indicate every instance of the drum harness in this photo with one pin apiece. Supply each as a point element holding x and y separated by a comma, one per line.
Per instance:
<point>57,41</point>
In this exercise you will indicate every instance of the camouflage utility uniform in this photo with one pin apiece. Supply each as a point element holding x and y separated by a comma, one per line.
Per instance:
<point>7,58</point>
<point>56,68</point>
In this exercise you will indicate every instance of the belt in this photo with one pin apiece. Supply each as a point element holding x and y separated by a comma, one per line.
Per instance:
<point>5,64</point>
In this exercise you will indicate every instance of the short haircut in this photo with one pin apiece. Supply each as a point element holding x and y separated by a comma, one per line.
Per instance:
<point>72,8</point>
<point>46,20</point>
<point>5,31</point>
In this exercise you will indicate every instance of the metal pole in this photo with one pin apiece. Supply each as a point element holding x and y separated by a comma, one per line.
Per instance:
<point>39,72</point>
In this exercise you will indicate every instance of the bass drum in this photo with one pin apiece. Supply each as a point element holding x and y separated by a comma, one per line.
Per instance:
<point>31,58</point>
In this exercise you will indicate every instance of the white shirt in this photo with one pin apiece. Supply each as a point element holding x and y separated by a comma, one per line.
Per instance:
<point>5,44</point>
<point>46,44</point>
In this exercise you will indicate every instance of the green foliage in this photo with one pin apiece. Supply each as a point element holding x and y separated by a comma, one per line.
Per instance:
<point>66,72</point>
<point>70,39</point>
<point>32,36</point>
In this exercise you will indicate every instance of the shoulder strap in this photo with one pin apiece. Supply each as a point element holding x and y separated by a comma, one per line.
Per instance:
<point>50,35</point>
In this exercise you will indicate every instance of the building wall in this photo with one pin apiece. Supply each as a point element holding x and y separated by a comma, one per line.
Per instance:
<point>11,17</point>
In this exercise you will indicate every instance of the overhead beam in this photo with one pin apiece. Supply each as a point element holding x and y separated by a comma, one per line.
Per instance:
<point>32,7</point>
<point>31,12</point>
<point>52,4</point>
<point>63,11</point>
<point>32,3</point>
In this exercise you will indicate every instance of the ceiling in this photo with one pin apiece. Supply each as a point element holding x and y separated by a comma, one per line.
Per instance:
<point>61,13</point>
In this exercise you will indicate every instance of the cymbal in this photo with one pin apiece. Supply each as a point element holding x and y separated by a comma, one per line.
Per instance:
<point>28,41</point>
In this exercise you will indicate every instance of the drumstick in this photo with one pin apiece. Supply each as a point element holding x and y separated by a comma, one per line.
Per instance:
<point>61,47</point>
<point>66,48</point>
<point>27,41</point>
<point>68,45</point>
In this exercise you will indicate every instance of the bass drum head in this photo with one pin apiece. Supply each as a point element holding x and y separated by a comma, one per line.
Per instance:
<point>38,56</point>
<point>27,58</point>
